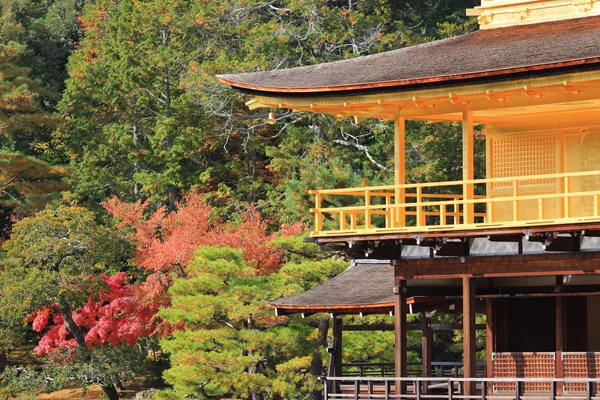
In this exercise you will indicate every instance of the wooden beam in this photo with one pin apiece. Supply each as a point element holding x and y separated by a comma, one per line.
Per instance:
<point>469,340</point>
<point>490,338</point>
<point>400,359</point>
<point>399,168</point>
<point>468,163</point>
<point>499,266</point>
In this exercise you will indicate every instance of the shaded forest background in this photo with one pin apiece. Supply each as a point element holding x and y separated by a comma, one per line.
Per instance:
<point>121,156</point>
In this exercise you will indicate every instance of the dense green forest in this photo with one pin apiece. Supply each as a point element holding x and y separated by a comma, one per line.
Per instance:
<point>146,215</point>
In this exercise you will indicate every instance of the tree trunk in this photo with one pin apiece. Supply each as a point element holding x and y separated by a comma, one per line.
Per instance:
<point>316,366</point>
<point>109,390</point>
<point>3,361</point>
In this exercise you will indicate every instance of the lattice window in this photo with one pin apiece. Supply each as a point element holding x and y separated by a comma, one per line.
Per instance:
<point>581,366</point>
<point>524,155</point>
<point>523,365</point>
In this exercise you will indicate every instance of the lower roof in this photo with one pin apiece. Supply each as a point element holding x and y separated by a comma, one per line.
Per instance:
<point>364,287</point>
<point>484,53</point>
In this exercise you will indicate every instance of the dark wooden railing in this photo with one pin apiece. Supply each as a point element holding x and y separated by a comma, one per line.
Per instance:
<point>419,388</point>
<point>438,369</point>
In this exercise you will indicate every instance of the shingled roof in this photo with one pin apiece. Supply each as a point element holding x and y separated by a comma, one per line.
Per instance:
<point>364,287</point>
<point>481,54</point>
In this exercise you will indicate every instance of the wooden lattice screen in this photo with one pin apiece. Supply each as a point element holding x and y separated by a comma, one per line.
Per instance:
<point>523,155</point>
<point>523,365</point>
<point>581,365</point>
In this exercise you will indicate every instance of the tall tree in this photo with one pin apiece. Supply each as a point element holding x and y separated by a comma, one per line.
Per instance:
<point>130,127</point>
<point>232,345</point>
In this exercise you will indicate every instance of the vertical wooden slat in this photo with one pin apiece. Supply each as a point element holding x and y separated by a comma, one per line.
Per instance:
<point>342,220</point>
<point>566,198</point>
<point>400,359</point>
<point>484,390</point>
<point>515,200</point>
<point>469,341</point>
<point>399,167</point>
<point>540,208</point>
<point>595,205</point>
<point>518,390</point>
<point>467,163</point>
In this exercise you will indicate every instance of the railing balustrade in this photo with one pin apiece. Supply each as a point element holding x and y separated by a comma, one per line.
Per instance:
<point>438,368</point>
<point>512,201</point>
<point>420,388</point>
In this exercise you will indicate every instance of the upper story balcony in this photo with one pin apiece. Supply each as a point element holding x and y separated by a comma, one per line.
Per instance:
<point>506,202</point>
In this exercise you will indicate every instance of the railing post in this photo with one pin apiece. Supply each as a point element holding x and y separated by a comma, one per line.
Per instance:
<point>456,212</point>
<point>325,384</point>
<point>589,390</point>
<point>367,209</point>
<point>318,215</point>
<point>417,389</point>
<point>595,206</point>
<point>450,389</point>
<point>357,389</point>
<point>483,390</point>
<point>553,390</point>
<point>518,391</point>
<point>387,390</point>
<point>342,220</point>
<point>443,214</point>
<point>419,207</point>
<point>389,214</point>
<point>540,209</point>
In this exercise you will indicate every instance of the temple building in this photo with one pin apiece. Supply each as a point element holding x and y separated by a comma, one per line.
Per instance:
<point>520,246</point>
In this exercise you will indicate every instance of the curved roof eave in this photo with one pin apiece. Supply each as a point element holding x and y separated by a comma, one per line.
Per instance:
<point>270,91</point>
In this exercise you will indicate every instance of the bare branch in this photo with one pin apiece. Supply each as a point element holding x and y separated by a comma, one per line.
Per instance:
<point>364,149</point>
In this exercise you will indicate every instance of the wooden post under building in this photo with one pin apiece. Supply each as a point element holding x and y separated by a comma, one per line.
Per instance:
<point>469,341</point>
<point>400,361</point>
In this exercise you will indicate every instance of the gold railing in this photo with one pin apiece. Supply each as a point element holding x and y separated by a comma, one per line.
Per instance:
<point>510,202</point>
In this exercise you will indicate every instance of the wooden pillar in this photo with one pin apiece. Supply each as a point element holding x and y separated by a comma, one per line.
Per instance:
<point>426,342</point>
<point>400,359</point>
<point>335,355</point>
<point>399,168</point>
<point>560,337</point>
<point>490,339</point>
<point>467,164</point>
<point>469,341</point>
